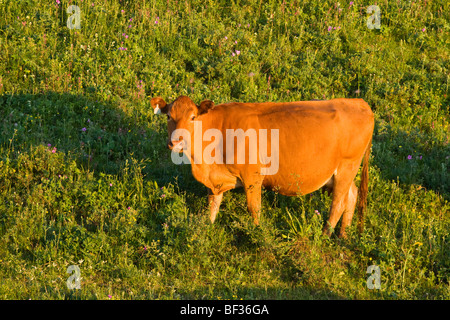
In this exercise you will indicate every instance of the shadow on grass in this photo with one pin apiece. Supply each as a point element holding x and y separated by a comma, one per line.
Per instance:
<point>414,158</point>
<point>102,137</point>
<point>99,135</point>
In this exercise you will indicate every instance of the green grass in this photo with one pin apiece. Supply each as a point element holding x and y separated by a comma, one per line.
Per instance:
<point>85,178</point>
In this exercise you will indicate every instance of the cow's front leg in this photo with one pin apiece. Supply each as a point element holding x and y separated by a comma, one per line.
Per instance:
<point>214,201</point>
<point>253,194</point>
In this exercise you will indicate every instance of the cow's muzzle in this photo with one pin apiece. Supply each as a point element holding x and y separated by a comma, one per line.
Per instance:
<point>176,146</point>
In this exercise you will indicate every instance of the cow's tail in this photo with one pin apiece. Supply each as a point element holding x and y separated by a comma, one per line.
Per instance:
<point>363,188</point>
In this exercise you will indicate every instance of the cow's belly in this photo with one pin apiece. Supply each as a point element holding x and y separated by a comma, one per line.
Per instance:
<point>304,170</point>
<point>297,182</point>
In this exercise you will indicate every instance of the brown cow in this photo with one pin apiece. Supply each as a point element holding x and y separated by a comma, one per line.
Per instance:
<point>317,144</point>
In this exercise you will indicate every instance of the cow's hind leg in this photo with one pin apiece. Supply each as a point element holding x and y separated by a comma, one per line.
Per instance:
<point>342,186</point>
<point>350,204</point>
<point>214,201</point>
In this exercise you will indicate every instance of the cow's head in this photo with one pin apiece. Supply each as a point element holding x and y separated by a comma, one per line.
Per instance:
<point>181,114</point>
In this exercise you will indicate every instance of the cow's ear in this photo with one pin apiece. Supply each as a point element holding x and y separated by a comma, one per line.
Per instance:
<point>159,105</point>
<point>205,106</point>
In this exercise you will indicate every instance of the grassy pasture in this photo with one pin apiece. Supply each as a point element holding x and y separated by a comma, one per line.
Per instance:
<point>86,180</point>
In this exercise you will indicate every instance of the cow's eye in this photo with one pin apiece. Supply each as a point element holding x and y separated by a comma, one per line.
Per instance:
<point>192,118</point>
